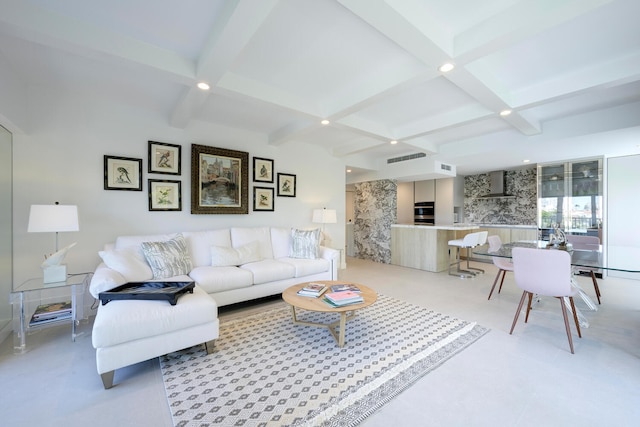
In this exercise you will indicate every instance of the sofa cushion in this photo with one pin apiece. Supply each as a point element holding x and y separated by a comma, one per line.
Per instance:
<point>227,256</point>
<point>219,279</point>
<point>199,244</point>
<point>128,320</point>
<point>269,270</point>
<point>241,236</point>
<point>129,262</point>
<point>280,241</point>
<point>307,267</point>
<point>169,258</point>
<point>305,243</point>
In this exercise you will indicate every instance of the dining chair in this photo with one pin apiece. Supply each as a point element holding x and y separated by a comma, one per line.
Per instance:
<point>586,243</point>
<point>546,273</point>
<point>469,241</point>
<point>503,264</point>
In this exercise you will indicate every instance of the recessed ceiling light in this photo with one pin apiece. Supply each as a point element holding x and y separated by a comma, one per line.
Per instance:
<point>325,122</point>
<point>203,86</point>
<point>445,68</point>
<point>505,113</point>
<point>526,161</point>
<point>394,142</point>
<point>348,170</point>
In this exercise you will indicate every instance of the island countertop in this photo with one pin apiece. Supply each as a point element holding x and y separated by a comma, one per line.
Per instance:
<point>449,227</point>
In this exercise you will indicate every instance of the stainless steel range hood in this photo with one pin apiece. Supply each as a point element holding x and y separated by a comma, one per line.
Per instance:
<point>497,186</point>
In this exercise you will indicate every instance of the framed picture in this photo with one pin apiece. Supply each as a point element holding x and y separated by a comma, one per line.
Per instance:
<point>262,170</point>
<point>164,158</point>
<point>219,180</point>
<point>165,195</point>
<point>262,199</point>
<point>122,173</point>
<point>286,185</point>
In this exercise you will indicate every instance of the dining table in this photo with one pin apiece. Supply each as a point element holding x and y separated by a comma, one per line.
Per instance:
<point>616,258</point>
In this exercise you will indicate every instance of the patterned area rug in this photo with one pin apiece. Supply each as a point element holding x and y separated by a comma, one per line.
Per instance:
<point>266,371</point>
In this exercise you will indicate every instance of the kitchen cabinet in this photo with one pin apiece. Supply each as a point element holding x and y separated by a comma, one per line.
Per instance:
<point>425,191</point>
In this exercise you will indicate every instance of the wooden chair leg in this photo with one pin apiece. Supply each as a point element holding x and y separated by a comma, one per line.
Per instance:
<point>575,316</point>
<point>566,323</point>
<point>526,319</point>
<point>515,319</point>
<point>595,285</point>
<point>504,273</point>
<point>494,283</point>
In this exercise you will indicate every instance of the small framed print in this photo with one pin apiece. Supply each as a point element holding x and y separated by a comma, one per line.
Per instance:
<point>262,199</point>
<point>165,195</point>
<point>122,173</point>
<point>262,170</point>
<point>164,158</point>
<point>286,185</point>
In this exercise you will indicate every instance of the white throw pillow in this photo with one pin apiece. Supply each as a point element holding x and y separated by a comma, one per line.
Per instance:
<point>225,256</point>
<point>169,258</point>
<point>305,243</point>
<point>128,263</point>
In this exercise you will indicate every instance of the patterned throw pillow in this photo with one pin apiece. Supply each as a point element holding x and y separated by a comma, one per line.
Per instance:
<point>168,259</point>
<point>305,243</point>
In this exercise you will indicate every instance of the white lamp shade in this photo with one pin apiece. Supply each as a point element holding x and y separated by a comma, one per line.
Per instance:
<point>324,216</point>
<point>53,218</point>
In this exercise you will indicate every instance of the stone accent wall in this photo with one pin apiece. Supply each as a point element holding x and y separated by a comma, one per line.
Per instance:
<point>520,210</point>
<point>375,210</point>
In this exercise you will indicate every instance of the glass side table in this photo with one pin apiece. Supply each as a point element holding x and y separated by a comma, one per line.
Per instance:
<point>29,296</point>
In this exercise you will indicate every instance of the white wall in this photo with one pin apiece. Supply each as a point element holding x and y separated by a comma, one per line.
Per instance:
<point>61,159</point>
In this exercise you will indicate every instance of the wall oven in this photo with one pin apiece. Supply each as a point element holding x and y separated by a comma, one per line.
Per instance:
<point>424,213</point>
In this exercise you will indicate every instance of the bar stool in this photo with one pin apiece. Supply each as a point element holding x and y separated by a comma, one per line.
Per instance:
<point>468,242</point>
<point>482,239</point>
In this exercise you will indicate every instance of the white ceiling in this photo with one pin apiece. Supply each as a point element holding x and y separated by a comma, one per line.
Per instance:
<point>569,70</point>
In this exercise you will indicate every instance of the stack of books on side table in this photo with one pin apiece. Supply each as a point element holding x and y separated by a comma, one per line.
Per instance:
<point>47,313</point>
<point>342,298</point>
<point>312,290</point>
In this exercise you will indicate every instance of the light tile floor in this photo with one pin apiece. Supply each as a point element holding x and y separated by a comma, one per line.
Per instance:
<point>526,379</point>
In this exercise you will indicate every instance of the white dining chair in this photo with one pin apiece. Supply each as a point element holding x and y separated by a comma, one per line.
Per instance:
<point>544,273</point>
<point>502,263</point>
<point>468,242</point>
<point>591,243</point>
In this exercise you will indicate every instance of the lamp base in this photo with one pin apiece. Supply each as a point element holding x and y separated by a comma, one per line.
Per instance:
<point>55,273</point>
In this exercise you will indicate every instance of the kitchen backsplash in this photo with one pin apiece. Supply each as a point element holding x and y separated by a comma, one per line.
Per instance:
<point>375,210</point>
<point>518,210</point>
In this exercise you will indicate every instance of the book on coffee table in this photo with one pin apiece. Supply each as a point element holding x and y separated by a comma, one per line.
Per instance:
<point>343,298</point>
<point>341,287</point>
<point>312,290</point>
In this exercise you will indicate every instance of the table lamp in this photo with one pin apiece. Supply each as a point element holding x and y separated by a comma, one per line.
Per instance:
<point>54,219</point>
<point>324,216</point>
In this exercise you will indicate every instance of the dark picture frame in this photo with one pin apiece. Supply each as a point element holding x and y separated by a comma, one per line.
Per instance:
<point>263,199</point>
<point>164,158</point>
<point>286,185</point>
<point>165,195</point>
<point>262,170</point>
<point>122,173</point>
<point>219,180</point>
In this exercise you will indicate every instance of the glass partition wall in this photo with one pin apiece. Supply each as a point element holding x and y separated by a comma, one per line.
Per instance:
<point>570,194</point>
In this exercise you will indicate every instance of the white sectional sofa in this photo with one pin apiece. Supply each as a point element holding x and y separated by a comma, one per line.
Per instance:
<point>228,266</point>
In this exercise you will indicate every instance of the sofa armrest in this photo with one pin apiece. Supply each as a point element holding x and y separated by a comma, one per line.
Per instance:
<point>104,279</point>
<point>333,256</point>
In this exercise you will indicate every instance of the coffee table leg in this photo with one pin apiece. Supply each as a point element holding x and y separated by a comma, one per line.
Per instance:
<point>343,326</point>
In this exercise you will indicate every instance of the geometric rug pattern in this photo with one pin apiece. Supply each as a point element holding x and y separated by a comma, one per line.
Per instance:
<point>266,371</point>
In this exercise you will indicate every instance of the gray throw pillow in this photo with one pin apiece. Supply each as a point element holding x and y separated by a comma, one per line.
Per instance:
<point>305,243</point>
<point>169,258</point>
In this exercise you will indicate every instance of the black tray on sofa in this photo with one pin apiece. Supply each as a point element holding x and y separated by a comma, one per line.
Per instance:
<point>165,291</point>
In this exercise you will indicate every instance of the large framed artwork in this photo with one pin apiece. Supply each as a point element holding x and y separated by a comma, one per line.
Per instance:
<point>122,173</point>
<point>165,195</point>
<point>164,158</point>
<point>286,185</point>
<point>263,199</point>
<point>219,180</point>
<point>262,170</point>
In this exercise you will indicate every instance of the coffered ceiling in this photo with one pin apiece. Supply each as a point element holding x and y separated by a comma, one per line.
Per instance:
<point>569,70</point>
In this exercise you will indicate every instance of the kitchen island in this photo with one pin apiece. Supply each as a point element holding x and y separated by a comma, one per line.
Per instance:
<point>425,247</point>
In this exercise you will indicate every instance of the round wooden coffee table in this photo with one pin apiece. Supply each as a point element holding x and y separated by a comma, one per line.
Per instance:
<point>317,304</point>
